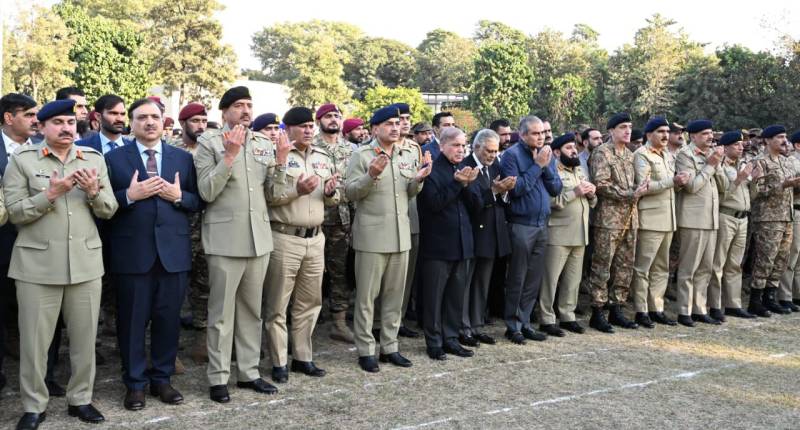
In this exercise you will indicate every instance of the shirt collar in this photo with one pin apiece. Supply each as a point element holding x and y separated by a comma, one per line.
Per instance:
<point>7,139</point>
<point>478,163</point>
<point>143,148</point>
<point>105,140</point>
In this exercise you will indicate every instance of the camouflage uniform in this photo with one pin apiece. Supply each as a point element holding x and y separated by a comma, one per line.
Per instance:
<point>615,223</point>
<point>790,281</point>
<point>772,217</point>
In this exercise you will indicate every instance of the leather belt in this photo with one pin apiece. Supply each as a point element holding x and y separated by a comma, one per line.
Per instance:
<point>734,213</point>
<point>293,230</point>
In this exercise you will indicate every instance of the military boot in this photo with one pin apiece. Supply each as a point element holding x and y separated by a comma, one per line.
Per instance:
<point>616,317</point>
<point>756,307</point>
<point>339,330</point>
<point>598,320</point>
<point>199,352</point>
<point>769,302</point>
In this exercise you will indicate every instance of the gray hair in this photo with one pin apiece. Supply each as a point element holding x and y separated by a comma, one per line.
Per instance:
<point>448,134</point>
<point>525,122</point>
<point>483,136</point>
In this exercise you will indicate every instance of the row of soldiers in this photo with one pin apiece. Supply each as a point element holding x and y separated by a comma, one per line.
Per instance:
<point>270,202</point>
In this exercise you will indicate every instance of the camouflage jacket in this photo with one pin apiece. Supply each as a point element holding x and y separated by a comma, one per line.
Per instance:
<point>770,201</point>
<point>341,153</point>
<point>614,177</point>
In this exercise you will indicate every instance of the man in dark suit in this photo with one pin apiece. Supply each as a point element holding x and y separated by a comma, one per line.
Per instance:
<point>156,187</point>
<point>446,244</point>
<point>490,234</point>
<point>18,124</point>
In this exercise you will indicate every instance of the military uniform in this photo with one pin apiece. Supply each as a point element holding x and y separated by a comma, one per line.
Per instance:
<point>656,226</point>
<point>297,263</point>
<point>568,235</point>
<point>790,281</point>
<point>381,239</point>
<point>57,263</point>
<point>237,240</point>
<point>413,254</point>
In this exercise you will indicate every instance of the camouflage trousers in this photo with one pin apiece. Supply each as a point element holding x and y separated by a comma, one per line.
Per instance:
<point>198,278</point>
<point>771,243</point>
<point>612,260</point>
<point>337,245</point>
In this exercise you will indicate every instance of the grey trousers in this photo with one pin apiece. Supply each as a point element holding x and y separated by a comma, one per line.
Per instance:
<point>525,274</point>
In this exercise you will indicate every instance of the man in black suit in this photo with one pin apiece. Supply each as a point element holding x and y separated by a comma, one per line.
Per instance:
<point>491,237</point>
<point>446,244</point>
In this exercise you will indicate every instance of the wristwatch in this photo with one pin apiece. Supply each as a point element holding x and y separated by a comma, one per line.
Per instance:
<point>177,203</point>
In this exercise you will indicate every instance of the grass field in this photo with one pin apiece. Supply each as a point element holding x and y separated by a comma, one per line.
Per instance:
<point>744,374</point>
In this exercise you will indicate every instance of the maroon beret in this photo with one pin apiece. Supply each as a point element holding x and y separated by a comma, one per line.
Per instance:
<point>326,108</point>
<point>191,110</point>
<point>351,124</point>
<point>168,122</point>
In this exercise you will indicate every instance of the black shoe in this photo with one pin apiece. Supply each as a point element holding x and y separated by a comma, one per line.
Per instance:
<point>86,413</point>
<point>703,318</point>
<point>685,320</point>
<point>219,393</point>
<point>738,313</point>
<point>166,393</point>
<point>573,326</point>
<point>396,359</point>
<point>134,400</point>
<point>407,332</point>
<point>617,318</point>
<point>770,303</point>
<point>456,349</point>
<point>280,374</point>
<point>532,334</point>
<point>484,338</point>
<point>552,330</point>
<point>661,318</point>
<point>756,306</point>
<point>787,304</point>
<point>31,420</point>
<point>54,389</point>
<point>644,320</point>
<point>436,353</point>
<point>598,321</point>
<point>259,386</point>
<point>369,364</point>
<point>796,301</point>
<point>2,378</point>
<point>99,360</point>
<point>308,368</point>
<point>717,314</point>
<point>515,337</point>
<point>468,341</point>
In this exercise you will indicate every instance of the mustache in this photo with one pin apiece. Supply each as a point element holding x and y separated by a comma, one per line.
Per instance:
<point>66,134</point>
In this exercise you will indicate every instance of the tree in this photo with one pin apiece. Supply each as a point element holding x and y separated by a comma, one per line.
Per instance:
<point>109,57</point>
<point>445,62</point>
<point>493,31</point>
<point>378,61</point>
<point>186,51</point>
<point>381,96</point>
<point>501,82</point>
<point>318,77</point>
<point>571,100</point>
<point>36,60</point>
<point>133,12</point>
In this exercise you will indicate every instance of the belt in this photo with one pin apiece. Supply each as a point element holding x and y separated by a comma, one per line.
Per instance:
<point>734,213</point>
<point>293,230</point>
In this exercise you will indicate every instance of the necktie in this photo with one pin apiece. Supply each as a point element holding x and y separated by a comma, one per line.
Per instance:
<point>112,145</point>
<point>152,167</point>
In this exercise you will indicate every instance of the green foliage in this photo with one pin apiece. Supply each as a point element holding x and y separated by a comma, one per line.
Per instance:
<point>377,61</point>
<point>493,31</point>
<point>444,62</point>
<point>465,120</point>
<point>571,100</point>
<point>381,96</point>
<point>319,76</point>
<point>501,82</point>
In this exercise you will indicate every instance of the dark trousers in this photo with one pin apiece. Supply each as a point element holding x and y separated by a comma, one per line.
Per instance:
<point>477,295</point>
<point>444,286</point>
<point>525,273</point>
<point>8,297</point>
<point>155,297</point>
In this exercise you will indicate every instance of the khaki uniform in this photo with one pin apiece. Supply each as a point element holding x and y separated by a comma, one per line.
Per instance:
<point>725,289</point>
<point>772,218</point>
<point>413,254</point>
<point>57,262</point>
<point>237,240</point>
<point>615,223</point>
<point>568,235</point>
<point>297,263</point>
<point>381,239</point>
<point>790,281</point>
<point>657,223</point>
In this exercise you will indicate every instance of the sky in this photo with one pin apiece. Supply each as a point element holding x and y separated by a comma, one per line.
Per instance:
<point>713,23</point>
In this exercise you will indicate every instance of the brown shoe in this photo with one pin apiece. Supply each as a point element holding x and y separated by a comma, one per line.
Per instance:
<point>199,352</point>
<point>166,394</point>
<point>180,369</point>
<point>134,400</point>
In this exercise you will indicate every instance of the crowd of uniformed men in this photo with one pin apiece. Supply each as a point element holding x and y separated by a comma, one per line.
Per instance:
<point>246,218</point>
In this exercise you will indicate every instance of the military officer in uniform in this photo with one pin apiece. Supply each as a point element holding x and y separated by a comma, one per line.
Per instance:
<point>654,164</point>
<point>383,175</point>
<point>234,167</point>
<point>53,190</point>
<point>297,209</point>
<point>789,295</point>
<point>567,239</point>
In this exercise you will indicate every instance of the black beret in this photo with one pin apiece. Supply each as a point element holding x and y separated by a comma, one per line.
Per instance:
<point>298,115</point>
<point>699,125</point>
<point>731,137</point>
<point>264,120</point>
<point>795,138</point>
<point>773,131</point>
<point>618,119</point>
<point>232,95</point>
<point>383,114</point>
<point>562,140</point>
<point>404,108</point>
<point>636,134</point>
<point>56,108</point>
<point>654,123</point>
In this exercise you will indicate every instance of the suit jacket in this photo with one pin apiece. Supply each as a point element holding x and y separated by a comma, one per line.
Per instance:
<point>143,230</point>
<point>94,142</point>
<point>489,226</point>
<point>657,205</point>
<point>444,206</point>
<point>698,201</point>
<point>8,233</point>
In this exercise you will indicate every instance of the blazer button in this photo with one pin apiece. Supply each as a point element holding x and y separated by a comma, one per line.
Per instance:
<point>480,226</point>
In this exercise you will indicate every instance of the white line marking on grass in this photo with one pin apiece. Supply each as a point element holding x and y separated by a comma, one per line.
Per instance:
<point>158,420</point>
<point>781,355</point>
<point>498,411</point>
<point>431,423</point>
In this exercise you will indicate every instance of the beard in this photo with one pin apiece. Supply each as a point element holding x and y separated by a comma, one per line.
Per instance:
<point>82,127</point>
<point>192,135</point>
<point>330,129</point>
<point>569,161</point>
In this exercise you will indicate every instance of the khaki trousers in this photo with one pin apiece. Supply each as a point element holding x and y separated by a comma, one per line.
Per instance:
<point>725,289</point>
<point>694,269</point>
<point>651,270</point>
<point>384,275</point>
<point>790,281</point>
<point>565,262</point>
